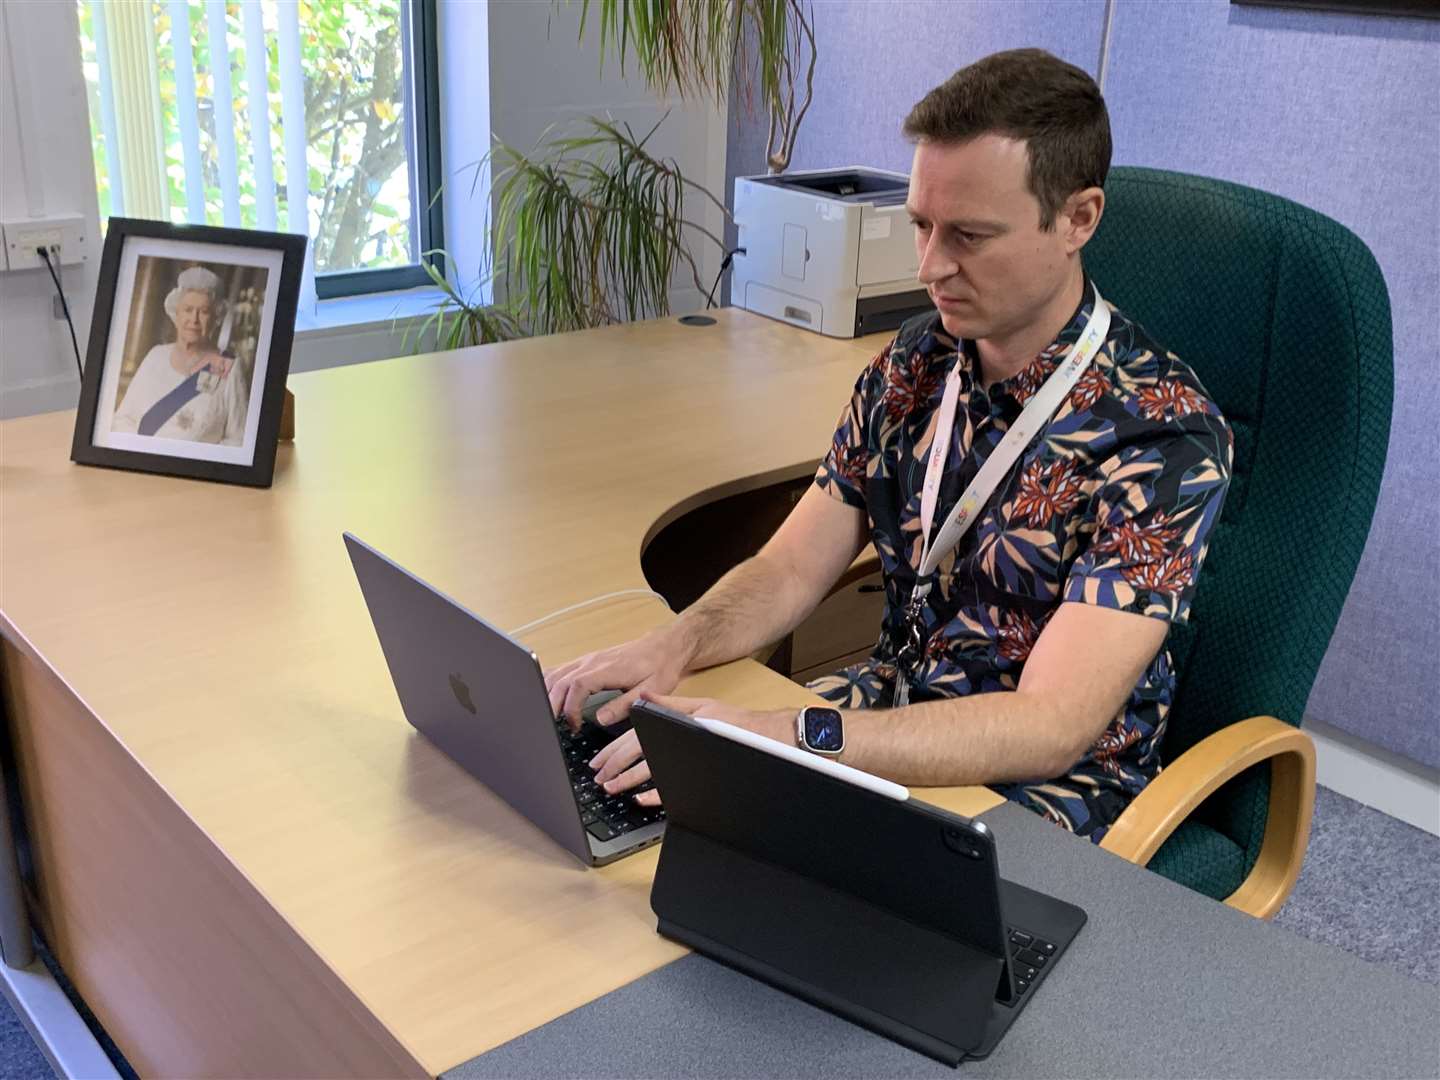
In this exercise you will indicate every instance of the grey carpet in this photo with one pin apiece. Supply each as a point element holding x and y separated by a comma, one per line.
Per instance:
<point>19,1056</point>
<point>1370,885</point>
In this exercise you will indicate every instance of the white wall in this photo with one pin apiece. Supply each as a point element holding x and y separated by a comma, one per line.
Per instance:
<point>45,169</point>
<point>464,38</point>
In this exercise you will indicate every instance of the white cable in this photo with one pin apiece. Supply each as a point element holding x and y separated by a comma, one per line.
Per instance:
<point>586,603</point>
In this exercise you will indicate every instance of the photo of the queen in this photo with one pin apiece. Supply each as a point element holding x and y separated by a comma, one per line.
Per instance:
<point>189,357</point>
<point>189,350</point>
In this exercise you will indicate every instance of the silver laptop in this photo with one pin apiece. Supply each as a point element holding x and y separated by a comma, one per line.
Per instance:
<point>479,696</point>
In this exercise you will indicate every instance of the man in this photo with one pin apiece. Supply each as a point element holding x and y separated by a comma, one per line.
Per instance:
<point>1037,664</point>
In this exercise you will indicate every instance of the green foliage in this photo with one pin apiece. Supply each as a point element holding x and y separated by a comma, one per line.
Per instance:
<point>688,46</point>
<point>460,321</point>
<point>591,234</point>
<point>695,47</point>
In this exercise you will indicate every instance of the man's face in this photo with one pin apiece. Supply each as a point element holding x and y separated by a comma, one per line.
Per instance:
<point>193,318</point>
<point>987,264</point>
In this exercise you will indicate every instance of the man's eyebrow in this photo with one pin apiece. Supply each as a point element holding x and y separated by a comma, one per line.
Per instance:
<point>967,225</point>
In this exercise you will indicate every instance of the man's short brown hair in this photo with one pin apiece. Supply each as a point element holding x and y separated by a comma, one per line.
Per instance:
<point>1028,94</point>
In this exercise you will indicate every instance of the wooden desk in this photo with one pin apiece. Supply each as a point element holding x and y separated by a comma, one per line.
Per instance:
<point>245,859</point>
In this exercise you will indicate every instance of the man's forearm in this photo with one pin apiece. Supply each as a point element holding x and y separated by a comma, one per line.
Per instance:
<point>980,739</point>
<point>756,603</point>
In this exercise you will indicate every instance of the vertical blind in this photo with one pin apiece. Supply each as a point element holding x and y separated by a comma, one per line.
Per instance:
<point>306,116</point>
<point>129,63</point>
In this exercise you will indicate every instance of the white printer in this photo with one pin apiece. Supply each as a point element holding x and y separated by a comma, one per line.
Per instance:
<point>830,250</point>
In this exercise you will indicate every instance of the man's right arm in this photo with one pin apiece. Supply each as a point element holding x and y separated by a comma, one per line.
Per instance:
<point>756,603</point>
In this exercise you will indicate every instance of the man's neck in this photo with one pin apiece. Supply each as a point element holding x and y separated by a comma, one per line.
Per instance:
<point>1003,357</point>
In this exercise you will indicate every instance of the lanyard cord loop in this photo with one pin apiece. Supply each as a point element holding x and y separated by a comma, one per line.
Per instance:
<point>1032,419</point>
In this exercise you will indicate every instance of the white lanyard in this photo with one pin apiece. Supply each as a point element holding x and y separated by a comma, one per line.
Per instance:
<point>1036,414</point>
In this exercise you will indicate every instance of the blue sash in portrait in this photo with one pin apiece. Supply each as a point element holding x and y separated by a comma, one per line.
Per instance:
<point>154,419</point>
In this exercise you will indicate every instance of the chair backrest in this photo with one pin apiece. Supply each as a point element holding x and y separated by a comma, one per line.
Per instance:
<point>1284,315</point>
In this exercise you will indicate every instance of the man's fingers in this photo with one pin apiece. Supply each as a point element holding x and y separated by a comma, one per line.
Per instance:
<point>558,673</point>
<point>574,704</point>
<point>609,750</point>
<point>628,779</point>
<point>613,712</point>
<point>556,693</point>
<point>648,798</point>
<point>618,756</point>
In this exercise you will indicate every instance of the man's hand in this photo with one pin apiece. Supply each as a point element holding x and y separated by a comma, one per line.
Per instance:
<point>620,766</point>
<point>756,603</point>
<point>650,665</point>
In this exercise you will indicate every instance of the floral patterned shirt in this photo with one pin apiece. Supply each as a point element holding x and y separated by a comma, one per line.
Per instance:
<point>1111,505</point>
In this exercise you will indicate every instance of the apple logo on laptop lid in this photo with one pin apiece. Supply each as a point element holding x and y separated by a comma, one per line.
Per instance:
<point>462,693</point>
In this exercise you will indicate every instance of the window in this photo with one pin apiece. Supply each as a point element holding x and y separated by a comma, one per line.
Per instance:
<point>347,88</point>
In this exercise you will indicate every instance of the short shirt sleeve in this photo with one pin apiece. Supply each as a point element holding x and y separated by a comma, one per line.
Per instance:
<point>1160,497</point>
<point>842,472</point>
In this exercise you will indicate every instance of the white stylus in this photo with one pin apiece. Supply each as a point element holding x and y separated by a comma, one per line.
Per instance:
<point>794,754</point>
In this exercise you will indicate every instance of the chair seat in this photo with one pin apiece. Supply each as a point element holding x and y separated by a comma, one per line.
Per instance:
<point>1201,858</point>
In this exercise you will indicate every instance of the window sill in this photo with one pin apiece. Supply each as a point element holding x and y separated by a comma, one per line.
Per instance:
<point>362,314</point>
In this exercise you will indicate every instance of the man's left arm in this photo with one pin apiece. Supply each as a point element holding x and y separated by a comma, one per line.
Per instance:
<point>1083,668</point>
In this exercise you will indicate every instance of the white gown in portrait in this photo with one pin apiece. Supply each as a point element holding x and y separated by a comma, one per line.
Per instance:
<point>215,415</point>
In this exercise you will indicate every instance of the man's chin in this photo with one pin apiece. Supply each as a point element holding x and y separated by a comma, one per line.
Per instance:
<point>960,325</point>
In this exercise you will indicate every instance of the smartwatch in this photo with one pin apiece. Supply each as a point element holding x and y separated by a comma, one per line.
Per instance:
<point>820,730</point>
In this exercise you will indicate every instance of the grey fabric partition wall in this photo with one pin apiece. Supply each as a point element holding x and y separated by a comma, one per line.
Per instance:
<point>1333,110</point>
<point>1341,113</point>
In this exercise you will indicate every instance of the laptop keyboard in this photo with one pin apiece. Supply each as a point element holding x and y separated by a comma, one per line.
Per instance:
<point>1028,956</point>
<point>605,816</point>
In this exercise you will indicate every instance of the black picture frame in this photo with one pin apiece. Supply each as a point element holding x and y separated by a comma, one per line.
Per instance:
<point>172,456</point>
<point>1420,9</point>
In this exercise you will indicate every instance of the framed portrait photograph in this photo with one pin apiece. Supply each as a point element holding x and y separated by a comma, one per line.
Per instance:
<point>1429,9</point>
<point>189,349</point>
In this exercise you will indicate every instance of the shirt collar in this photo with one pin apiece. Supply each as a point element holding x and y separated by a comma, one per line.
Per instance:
<point>1021,386</point>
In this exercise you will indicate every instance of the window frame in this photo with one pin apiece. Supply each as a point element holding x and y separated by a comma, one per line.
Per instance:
<point>424,61</point>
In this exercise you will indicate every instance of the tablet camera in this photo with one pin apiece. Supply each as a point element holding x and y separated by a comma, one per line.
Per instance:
<point>960,842</point>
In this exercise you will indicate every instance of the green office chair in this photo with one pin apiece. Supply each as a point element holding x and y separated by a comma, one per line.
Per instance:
<point>1285,317</point>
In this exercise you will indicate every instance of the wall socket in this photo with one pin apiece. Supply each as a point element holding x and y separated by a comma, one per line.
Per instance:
<point>24,235</point>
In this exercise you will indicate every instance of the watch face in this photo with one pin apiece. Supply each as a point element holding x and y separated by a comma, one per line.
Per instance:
<point>823,731</point>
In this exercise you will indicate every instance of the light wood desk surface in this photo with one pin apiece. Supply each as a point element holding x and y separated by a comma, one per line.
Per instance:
<point>209,644</point>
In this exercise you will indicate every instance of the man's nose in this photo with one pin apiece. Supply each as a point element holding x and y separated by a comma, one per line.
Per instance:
<point>935,263</point>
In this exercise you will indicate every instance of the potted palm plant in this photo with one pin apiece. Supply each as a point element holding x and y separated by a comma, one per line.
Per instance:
<point>590,227</point>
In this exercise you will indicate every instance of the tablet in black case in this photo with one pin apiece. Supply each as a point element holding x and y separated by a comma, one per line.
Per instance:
<point>879,907</point>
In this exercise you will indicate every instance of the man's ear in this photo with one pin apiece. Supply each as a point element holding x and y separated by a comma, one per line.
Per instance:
<point>1080,217</point>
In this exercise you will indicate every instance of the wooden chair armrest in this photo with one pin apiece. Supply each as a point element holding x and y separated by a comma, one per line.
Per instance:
<point>1173,795</point>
